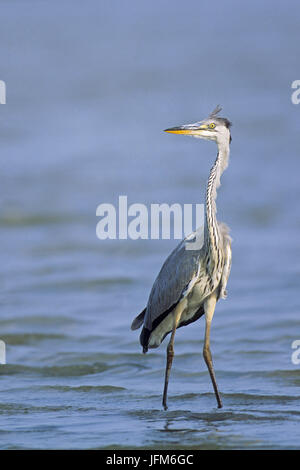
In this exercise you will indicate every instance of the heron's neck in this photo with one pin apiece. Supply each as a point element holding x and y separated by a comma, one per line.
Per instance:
<point>212,234</point>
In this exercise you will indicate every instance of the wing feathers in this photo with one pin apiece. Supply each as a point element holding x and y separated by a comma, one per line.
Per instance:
<point>138,321</point>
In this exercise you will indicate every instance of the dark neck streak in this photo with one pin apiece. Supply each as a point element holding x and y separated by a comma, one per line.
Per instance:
<point>212,232</point>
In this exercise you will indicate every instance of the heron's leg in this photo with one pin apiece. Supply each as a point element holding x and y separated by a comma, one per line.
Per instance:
<point>170,350</point>
<point>209,308</point>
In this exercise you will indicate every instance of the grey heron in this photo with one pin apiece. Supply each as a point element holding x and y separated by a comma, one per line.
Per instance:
<point>190,282</point>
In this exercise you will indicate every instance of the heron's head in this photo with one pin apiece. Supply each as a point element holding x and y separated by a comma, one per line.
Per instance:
<point>213,128</point>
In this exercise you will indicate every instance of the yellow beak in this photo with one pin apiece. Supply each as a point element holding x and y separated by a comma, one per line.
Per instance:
<point>189,129</point>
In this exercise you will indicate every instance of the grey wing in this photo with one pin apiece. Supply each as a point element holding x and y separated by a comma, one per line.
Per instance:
<point>227,259</point>
<point>175,279</point>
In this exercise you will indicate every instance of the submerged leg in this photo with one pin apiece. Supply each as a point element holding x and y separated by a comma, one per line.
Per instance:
<point>170,350</point>
<point>209,308</point>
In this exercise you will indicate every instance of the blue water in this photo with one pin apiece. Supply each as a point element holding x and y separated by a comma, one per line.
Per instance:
<point>89,89</point>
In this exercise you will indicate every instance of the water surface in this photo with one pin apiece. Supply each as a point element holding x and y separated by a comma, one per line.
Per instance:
<point>89,90</point>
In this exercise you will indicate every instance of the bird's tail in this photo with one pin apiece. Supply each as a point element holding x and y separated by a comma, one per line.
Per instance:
<point>138,321</point>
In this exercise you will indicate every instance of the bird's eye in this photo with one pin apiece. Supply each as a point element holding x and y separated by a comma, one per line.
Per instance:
<point>212,125</point>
